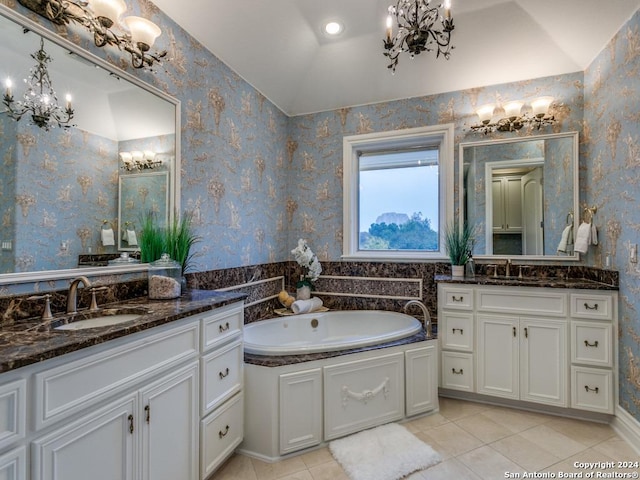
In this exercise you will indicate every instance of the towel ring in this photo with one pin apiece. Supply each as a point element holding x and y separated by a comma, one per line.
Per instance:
<point>588,213</point>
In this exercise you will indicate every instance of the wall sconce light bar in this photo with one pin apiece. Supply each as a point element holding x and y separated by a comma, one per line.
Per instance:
<point>513,118</point>
<point>99,16</point>
<point>137,160</point>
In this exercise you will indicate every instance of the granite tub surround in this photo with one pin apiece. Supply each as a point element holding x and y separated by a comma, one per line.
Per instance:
<point>34,340</point>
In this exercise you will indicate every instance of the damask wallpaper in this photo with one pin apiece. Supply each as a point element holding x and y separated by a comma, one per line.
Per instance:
<point>258,180</point>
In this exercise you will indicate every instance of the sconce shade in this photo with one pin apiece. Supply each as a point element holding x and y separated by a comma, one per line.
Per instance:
<point>512,109</point>
<point>485,113</point>
<point>540,106</point>
<point>111,9</point>
<point>143,32</point>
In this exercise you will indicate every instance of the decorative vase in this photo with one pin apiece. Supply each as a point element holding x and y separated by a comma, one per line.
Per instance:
<point>457,270</point>
<point>303,293</point>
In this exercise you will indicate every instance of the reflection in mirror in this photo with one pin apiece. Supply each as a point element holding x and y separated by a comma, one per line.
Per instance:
<point>57,187</point>
<point>520,194</point>
<point>139,194</point>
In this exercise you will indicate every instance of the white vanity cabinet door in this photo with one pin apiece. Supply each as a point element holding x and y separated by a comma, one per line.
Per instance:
<point>100,446</point>
<point>421,366</point>
<point>498,356</point>
<point>13,408</point>
<point>300,410</point>
<point>543,361</point>
<point>13,464</point>
<point>169,420</point>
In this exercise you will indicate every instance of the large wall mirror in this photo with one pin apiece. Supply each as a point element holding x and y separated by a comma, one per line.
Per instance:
<point>59,188</point>
<point>520,194</point>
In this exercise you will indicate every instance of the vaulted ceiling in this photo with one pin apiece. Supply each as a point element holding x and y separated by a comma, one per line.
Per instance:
<point>278,46</point>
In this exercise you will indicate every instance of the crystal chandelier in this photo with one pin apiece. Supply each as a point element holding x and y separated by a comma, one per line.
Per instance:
<point>421,27</point>
<point>39,99</point>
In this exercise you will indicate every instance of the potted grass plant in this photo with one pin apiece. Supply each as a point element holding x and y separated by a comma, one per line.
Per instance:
<point>459,244</point>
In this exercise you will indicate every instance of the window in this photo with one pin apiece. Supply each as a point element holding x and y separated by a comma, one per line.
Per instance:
<point>398,193</point>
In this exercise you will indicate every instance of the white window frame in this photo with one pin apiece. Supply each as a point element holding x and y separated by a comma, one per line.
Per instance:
<point>396,139</point>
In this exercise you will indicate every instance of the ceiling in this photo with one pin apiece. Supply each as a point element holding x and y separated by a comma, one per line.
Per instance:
<point>278,46</point>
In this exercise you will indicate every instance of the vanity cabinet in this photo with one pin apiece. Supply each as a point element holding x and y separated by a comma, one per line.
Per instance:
<point>139,407</point>
<point>541,345</point>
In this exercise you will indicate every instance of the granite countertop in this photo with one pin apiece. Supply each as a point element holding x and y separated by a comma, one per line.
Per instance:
<point>33,341</point>
<point>536,282</point>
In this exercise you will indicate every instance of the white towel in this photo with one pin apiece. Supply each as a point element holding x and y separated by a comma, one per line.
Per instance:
<point>108,238</point>
<point>132,239</point>
<point>306,306</point>
<point>567,239</point>
<point>583,238</point>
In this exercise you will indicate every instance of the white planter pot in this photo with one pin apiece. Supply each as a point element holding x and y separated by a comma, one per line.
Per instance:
<point>457,270</point>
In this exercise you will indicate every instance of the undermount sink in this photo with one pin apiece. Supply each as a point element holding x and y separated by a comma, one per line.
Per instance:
<point>102,321</point>
<point>102,318</point>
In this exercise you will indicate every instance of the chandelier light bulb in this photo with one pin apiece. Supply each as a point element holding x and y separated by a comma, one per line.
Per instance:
<point>540,106</point>
<point>109,10</point>
<point>485,113</point>
<point>143,32</point>
<point>512,110</point>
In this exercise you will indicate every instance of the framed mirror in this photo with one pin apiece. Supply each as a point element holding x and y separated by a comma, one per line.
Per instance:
<point>59,186</point>
<point>521,194</point>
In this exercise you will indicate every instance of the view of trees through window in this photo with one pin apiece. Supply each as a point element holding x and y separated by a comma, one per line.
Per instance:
<point>399,200</point>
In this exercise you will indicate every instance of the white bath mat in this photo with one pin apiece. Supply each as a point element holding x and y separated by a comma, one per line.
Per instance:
<point>389,452</point>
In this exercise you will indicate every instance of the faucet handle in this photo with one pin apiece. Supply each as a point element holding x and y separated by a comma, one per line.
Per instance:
<point>94,303</point>
<point>46,314</point>
<point>495,270</point>
<point>520,268</point>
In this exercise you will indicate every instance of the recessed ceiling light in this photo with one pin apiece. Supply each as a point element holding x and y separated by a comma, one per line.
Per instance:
<point>333,28</point>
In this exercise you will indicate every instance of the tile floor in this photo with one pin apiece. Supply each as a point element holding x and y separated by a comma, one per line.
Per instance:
<point>475,441</point>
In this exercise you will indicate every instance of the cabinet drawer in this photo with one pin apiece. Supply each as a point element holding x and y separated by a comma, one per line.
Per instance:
<point>591,343</point>
<point>457,298</point>
<point>599,307</point>
<point>13,464</point>
<point>457,371</point>
<point>68,388</point>
<point>363,394</point>
<point>592,389</point>
<point>457,331</point>
<point>220,433</point>
<point>221,375</point>
<point>222,324</point>
<point>13,405</point>
<point>522,302</point>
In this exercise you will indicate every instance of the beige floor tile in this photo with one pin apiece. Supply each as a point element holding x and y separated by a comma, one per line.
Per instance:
<point>317,457</point>
<point>617,449</point>
<point>328,471</point>
<point>484,428</point>
<point>488,463</point>
<point>454,409</point>
<point>273,471</point>
<point>449,440</point>
<point>587,433</point>
<point>516,420</point>
<point>303,475</point>
<point>552,441</point>
<point>450,469</point>
<point>586,457</point>
<point>238,467</point>
<point>525,453</point>
<point>425,423</point>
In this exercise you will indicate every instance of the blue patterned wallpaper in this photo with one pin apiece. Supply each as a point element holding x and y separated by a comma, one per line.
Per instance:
<point>257,180</point>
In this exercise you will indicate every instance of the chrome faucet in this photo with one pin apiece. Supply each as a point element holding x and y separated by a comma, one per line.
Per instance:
<point>72,296</point>
<point>425,314</point>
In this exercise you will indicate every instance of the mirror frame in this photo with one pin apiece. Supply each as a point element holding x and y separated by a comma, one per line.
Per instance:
<point>575,183</point>
<point>174,208</point>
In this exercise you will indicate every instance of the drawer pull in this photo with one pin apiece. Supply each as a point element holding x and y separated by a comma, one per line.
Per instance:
<point>587,389</point>
<point>457,299</point>
<point>223,434</point>
<point>223,374</point>
<point>365,395</point>
<point>594,344</point>
<point>147,410</point>
<point>591,307</point>
<point>514,331</point>
<point>457,372</point>
<point>226,327</point>
<point>459,329</point>
<point>526,332</point>
<point>130,418</point>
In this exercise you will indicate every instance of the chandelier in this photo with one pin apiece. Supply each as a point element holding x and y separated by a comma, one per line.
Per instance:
<point>421,27</point>
<point>39,99</point>
<point>137,160</point>
<point>99,16</point>
<point>514,119</point>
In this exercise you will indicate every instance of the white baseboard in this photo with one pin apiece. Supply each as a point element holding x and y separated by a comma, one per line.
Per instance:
<point>627,427</point>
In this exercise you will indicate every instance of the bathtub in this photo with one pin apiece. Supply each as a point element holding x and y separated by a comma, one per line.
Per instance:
<point>327,332</point>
